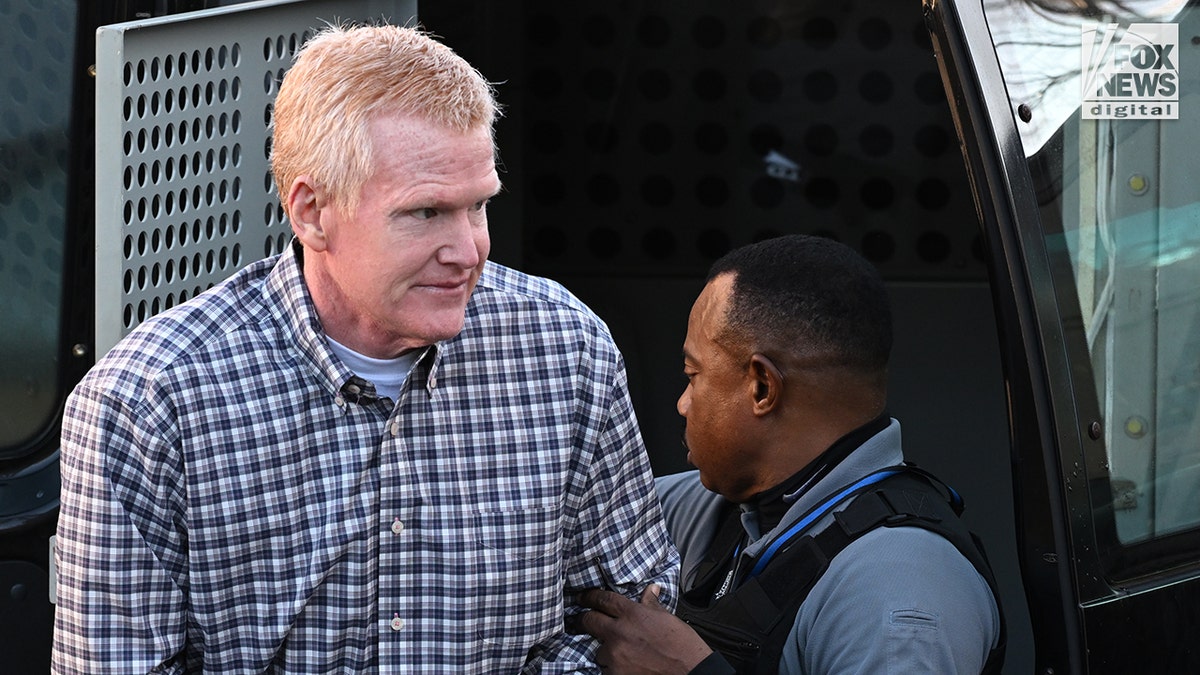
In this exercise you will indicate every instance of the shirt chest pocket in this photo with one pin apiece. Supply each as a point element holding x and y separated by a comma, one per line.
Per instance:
<point>519,553</point>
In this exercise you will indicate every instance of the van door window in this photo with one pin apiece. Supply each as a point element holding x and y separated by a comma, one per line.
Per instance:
<point>37,47</point>
<point>1112,135</point>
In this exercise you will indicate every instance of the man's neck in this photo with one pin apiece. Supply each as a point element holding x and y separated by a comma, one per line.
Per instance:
<point>771,504</point>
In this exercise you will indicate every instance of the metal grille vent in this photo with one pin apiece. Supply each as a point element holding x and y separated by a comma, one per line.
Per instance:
<point>690,128</point>
<point>184,194</point>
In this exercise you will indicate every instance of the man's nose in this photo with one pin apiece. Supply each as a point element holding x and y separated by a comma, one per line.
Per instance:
<point>464,240</point>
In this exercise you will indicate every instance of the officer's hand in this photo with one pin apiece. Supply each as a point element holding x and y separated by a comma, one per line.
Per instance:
<point>638,638</point>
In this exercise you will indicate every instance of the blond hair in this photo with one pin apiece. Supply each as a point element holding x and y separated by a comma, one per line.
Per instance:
<point>346,76</point>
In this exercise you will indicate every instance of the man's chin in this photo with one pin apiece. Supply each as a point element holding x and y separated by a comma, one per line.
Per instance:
<point>441,323</point>
<point>423,336</point>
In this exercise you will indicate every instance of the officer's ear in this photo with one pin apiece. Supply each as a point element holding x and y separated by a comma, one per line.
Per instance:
<point>767,382</point>
<point>306,206</point>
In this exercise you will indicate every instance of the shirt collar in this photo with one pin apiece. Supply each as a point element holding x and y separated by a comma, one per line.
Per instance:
<point>771,504</point>
<point>292,308</point>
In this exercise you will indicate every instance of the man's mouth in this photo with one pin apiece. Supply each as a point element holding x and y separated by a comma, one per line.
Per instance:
<point>451,286</point>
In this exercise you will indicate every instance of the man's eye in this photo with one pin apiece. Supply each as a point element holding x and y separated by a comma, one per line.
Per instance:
<point>478,206</point>
<point>425,214</point>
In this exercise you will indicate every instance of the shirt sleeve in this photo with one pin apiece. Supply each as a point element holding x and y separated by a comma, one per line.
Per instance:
<point>618,540</point>
<point>120,608</point>
<point>898,600</point>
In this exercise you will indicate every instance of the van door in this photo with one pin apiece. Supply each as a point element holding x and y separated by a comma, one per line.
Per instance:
<point>1080,127</point>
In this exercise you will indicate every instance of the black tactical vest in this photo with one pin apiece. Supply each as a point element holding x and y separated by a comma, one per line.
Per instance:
<point>750,622</point>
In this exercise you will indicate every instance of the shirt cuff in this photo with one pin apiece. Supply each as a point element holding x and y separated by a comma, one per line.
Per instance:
<point>715,664</point>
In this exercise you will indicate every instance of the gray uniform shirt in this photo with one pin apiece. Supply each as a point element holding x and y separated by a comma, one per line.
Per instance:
<point>897,600</point>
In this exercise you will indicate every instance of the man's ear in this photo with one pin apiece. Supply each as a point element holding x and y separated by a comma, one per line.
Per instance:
<point>306,205</point>
<point>767,381</point>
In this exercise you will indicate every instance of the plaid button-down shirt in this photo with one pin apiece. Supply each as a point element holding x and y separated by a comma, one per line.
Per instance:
<point>234,499</point>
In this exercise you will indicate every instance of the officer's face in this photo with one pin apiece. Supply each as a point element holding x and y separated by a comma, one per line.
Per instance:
<point>717,402</point>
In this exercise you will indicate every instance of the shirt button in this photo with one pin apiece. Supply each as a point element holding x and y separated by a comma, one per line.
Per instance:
<point>397,526</point>
<point>395,428</point>
<point>397,622</point>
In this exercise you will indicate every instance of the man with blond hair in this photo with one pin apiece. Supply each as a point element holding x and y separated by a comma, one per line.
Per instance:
<point>374,452</point>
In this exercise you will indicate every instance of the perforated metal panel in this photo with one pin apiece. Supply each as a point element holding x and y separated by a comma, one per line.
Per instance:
<point>184,195</point>
<point>663,134</point>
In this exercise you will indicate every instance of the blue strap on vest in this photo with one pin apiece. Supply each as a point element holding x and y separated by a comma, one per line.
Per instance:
<point>814,514</point>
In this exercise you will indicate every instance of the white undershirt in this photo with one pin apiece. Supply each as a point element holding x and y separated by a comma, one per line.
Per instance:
<point>387,375</point>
